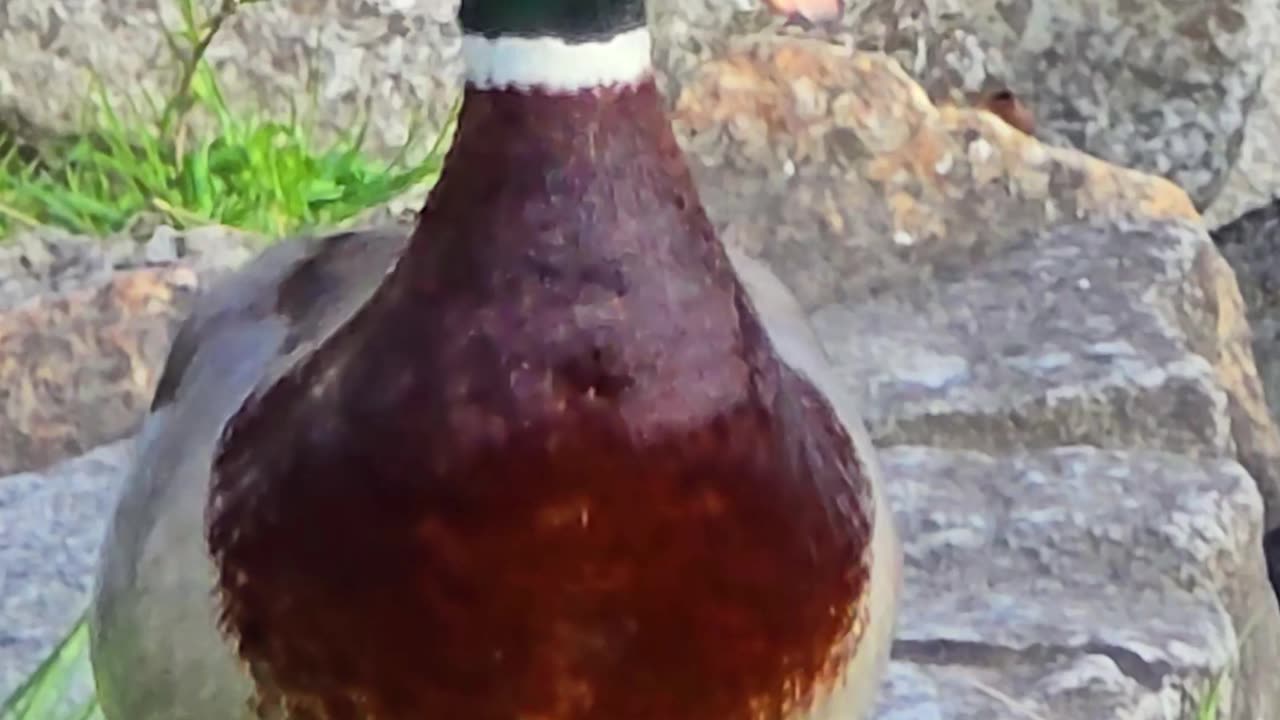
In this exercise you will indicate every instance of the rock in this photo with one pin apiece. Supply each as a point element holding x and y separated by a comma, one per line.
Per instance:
<point>162,247</point>
<point>82,335</point>
<point>214,249</point>
<point>866,183</point>
<point>1271,549</point>
<point>78,367</point>
<point>51,524</point>
<point>1254,180</point>
<point>1249,245</point>
<point>49,260</point>
<point>969,358</point>
<point>1163,87</point>
<point>1012,565</point>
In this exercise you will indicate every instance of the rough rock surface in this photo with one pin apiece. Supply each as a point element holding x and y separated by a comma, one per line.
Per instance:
<point>1160,86</point>
<point>79,359</point>
<point>78,367</point>
<point>1254,180</point>
<point>50,527</point>
<point>1095,550</point>
<point>1012,568</point>
<point>1164,87</point>
<point>269,54</point>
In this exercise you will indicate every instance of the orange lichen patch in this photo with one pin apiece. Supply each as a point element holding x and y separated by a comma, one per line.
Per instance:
<point>913,220</point>
<point>882,122</point>
<point>78,366</point>
<point>1006,153</point>
<point>926,157</point>
<point>741,89</point>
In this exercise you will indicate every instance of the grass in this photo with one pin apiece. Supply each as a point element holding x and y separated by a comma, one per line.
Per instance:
<point>59,688</point>
<point>270,177</point>
<point>262,175</point>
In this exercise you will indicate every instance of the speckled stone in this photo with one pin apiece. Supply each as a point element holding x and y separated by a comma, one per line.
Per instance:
<point>77,367</point>
<point>1074,583</point>
<point>1160,86</point>
<point>51,524</point>
<point>1254,181</point>
<point>396,61</point>
<point>84,327</point>
<point>1164,87</point>
<point>866,183</point>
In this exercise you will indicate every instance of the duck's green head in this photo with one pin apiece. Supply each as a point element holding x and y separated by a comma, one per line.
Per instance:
<point>571,46</point>
<point>573,21</point>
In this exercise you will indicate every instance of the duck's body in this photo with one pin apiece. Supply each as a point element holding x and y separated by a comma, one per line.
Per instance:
<point>158,652</point>
<point>546,459</point>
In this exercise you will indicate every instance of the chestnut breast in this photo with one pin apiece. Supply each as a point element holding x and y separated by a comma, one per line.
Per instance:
<point>553,469</point>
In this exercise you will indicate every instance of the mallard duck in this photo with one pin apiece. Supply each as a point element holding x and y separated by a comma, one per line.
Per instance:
<point>556,454</point>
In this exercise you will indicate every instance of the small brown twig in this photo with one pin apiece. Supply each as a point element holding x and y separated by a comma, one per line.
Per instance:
<point>181,101</point>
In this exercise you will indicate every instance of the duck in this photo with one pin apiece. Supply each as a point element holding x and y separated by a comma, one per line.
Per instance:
<point>554,453</point>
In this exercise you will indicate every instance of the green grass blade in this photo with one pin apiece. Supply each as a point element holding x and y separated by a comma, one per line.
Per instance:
<point>54,685</point>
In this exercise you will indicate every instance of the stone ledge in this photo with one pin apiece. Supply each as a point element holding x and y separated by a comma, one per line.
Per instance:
<point>1012,565</point>
<point>77,368</point>
<point>1063,338</point>
<point>51,525</point>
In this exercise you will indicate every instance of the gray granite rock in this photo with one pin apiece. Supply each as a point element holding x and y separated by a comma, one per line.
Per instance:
<point>1066,337</point>
<point>1078,336</point>
<point>1160,86</point>
<point>1075,583</point>
<point>84,327</point>
<point>1254,180</point>
<point>322,54</point>
<point>1164,87</point>
<point>51,524</point>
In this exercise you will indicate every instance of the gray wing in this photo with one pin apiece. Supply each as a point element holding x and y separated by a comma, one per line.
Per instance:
<point>156,648</point>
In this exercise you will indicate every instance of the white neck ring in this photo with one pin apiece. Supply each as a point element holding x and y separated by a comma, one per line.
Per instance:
<point>550,64</point>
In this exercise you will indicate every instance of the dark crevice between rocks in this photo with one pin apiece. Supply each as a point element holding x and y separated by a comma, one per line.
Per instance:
<point>1251,246</point>
<point>1150,675</point>
<point>14,148</point>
